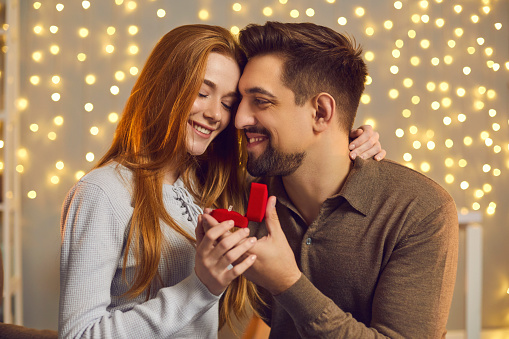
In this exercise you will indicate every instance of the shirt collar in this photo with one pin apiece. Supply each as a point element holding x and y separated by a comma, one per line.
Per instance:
<point>358,189</point>
<point>360,185</point>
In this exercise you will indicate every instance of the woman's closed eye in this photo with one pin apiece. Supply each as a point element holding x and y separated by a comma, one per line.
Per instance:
<point>226,106</point>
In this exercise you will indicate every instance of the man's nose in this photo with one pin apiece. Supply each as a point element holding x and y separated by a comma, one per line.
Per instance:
<point>244,116</point>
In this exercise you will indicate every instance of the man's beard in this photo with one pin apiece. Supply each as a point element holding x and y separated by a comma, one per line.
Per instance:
<point>273,162</point>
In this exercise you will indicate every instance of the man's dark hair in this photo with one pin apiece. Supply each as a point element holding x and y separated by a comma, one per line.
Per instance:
<point>315,59</point>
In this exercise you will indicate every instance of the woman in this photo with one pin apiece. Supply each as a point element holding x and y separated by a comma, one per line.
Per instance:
<point>128,264</point>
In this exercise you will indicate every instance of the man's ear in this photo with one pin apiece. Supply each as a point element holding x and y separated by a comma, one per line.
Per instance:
<point>325,111</point>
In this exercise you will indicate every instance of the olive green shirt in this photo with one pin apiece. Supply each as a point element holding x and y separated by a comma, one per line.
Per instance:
<point>379,260</point>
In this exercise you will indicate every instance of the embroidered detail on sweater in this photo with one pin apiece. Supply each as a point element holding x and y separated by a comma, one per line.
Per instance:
<point>190,208</point>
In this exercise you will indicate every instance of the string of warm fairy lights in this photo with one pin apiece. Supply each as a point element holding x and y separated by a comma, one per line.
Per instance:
<point>446,102</point>
<point>451,101</point>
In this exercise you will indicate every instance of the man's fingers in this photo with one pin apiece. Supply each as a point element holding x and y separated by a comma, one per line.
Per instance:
<point>271,218</point>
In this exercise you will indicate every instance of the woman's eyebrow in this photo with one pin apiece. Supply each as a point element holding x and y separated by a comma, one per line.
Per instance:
<point>209,83</point>
<point>213,85</point>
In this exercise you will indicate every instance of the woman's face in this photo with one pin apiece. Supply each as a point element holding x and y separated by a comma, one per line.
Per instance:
<point>211,111</point>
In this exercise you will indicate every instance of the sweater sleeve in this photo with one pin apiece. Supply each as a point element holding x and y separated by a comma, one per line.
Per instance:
<point>92,243</point>
<point>413,295</point>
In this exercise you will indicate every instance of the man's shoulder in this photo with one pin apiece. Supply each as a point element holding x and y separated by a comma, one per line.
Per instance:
<point>404,181</point>
<point>405,175</point>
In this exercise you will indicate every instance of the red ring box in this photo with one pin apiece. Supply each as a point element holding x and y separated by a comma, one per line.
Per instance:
<point>255,208</point>
<point>222,214</point>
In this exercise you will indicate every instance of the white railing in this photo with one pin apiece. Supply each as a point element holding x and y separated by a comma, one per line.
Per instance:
<point>471,223</point>
<point>10,206</point>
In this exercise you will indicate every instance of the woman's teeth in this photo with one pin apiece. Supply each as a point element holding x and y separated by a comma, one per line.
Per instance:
<point>201,129</point>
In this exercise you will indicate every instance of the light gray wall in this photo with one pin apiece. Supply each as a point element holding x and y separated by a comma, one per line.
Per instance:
<point>41,238</point>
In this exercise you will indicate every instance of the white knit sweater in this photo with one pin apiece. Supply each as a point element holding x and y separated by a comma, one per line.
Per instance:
<point>95,223</point>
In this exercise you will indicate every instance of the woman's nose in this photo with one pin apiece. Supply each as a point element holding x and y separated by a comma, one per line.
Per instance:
<point>213,112</point>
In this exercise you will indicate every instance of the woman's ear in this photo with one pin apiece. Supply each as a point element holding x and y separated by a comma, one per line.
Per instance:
<point>325,110</point>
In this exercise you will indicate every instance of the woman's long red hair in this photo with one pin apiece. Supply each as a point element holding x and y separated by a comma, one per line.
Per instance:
<point>151,136</point>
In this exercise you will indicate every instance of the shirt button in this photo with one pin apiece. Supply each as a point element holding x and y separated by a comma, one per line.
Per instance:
<point>308,241</point>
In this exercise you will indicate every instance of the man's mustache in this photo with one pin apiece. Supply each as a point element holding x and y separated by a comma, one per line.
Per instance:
<point>257,130</point>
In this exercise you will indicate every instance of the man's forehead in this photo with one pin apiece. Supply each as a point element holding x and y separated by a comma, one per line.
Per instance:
<point>265,62</point>
<point>262,71</point>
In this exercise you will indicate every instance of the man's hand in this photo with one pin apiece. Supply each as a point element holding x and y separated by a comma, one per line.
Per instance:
<point>365,143</point>
<point>216,262</point>
<point>275,268</point>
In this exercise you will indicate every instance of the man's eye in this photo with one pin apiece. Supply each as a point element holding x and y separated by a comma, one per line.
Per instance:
<point>258,101</point>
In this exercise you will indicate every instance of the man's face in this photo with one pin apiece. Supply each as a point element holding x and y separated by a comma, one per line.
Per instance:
<point>278,131</point>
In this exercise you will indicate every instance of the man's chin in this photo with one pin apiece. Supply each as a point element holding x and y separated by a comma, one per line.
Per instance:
<point>253,167</point>
<point>273,164</point>
<point>253,156</point>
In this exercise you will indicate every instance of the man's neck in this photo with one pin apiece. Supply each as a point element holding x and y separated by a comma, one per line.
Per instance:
<point>320,177</point>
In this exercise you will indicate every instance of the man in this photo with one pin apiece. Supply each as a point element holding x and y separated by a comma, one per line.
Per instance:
<point>367,249</point>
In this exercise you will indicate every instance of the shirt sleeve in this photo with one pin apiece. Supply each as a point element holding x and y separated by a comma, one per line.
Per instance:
<point>92,243</point>
<point>413,295</point>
